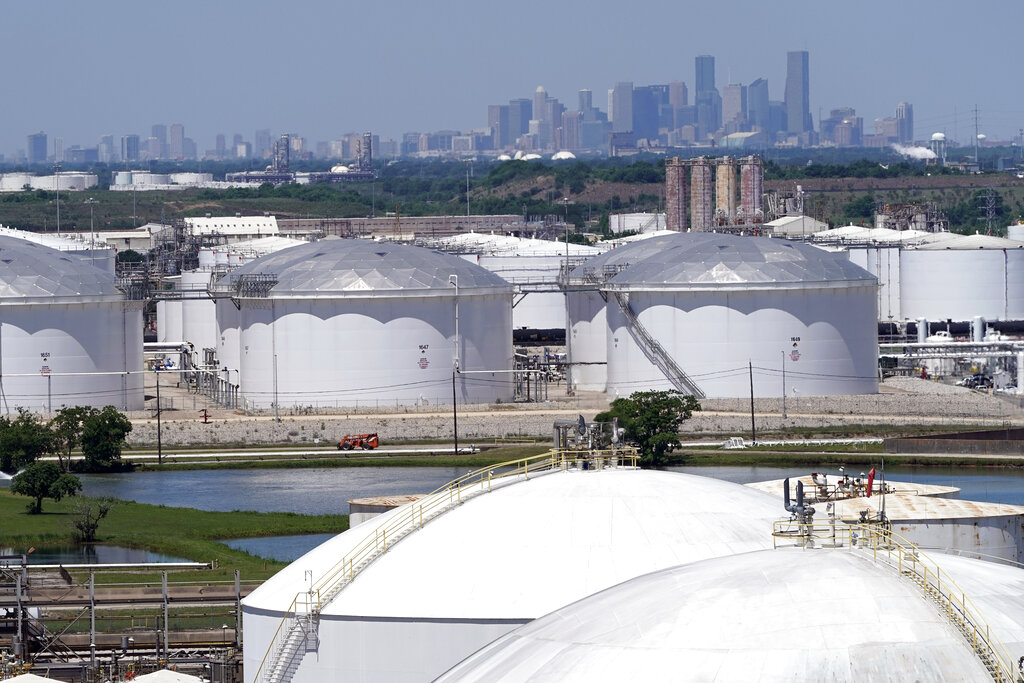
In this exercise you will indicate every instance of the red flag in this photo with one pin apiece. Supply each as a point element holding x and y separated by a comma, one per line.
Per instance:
<point>871,480</point>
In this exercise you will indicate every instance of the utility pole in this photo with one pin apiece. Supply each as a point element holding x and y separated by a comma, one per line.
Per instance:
<point>753,427</point>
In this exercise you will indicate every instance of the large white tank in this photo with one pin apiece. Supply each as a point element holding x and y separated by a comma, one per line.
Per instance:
<point>67,334</point>
<point>499,560</point>
<point>718,304</point>
<point>353,322</point>
<point>198,311</point>
<point>168,315</point>
<point>884,263</point>
<point>587,324</point>
<point>771,615</point>
<point>963,277</point>
<point>533,264</point>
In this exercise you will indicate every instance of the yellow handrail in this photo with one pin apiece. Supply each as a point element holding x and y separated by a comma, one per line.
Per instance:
<point>416,514</point>
<point>908,559</point>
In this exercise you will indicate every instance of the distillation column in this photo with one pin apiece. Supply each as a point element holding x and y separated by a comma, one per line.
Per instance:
<point>725,191</point>
<point>676,188</point>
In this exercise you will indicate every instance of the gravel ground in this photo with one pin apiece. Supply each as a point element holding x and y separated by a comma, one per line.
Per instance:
<point>901,400</point>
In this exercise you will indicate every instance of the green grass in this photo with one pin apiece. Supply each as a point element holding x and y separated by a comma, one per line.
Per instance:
<point>177,532</point>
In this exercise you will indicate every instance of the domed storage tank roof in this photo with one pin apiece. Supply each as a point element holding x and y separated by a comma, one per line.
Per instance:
<point>708,260</point>
<point>349,267</point>
<point>29,270</point>
<point>630,253</point>
<point>775,615</point>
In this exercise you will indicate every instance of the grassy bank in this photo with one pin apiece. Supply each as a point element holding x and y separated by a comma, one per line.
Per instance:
<point>177,532</point>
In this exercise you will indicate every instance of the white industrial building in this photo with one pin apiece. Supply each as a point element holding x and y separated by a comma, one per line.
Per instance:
<point>534,265</point>
<point>68,336</point>
<point>697,311</point>
<point>344,322</point>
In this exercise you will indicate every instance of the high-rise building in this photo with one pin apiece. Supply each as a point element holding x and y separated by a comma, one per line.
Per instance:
<point>621,106</point>
<point>647,103</point>
<point>152,150</point>
<point>734,106</point>
<point>176,141</point>
<point>129,147</point>
<point>220,146</point>
<point>159,131</point>
<point>705,65</point>
<point>58,149</point>
<point>758,115</point>
<point>540,99</point>
<point>570,137</point>
<point>37,148</point>
<point>798,93</point>
<point>706,99</point>
<point>262,144</point>
<point>585,100</point>
<point>905,122</point>
<point>677,94</point>
<point>520,112</point>
<point>105,152</point>
<point>497,121</point>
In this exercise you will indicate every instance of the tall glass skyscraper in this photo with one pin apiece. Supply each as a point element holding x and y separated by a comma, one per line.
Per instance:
<point>798,93</point>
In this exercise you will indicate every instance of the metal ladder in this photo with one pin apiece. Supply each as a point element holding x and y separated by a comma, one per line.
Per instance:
<point>655,352</point>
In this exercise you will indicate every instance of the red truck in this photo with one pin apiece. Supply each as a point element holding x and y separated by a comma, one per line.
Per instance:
<point>365,441</point>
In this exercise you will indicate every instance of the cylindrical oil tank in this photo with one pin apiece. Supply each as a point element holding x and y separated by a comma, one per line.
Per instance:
<point>228,320</point>
<point>587,325</point>
<point>198,312</point>
<point>717,308</point>
<point>68,336</point>
<point>352,322</point>
<point>168,315</point>
<point>123,178</point>
<point>220,256</point>
<point>963,277</point>
<point>206,258</point>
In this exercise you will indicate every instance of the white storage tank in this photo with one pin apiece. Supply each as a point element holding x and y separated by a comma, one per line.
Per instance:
<point>352,322</point>
<point>963,277</point>
<point>168,315</point>
<point>499,560</point>
<point>717,304</point>
<point>198,312</point>
<point>68,336</point>
<point>586,329</point>
<point>206,258</point>
<point>771,615</point>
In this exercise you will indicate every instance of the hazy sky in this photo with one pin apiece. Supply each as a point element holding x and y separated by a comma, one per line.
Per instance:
<point>325,68</point>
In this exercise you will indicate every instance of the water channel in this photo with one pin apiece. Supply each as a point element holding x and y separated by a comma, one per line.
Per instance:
<point>317,491</point>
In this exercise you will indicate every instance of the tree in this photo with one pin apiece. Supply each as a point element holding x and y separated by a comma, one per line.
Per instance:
<point>23,440</point>
<point>44,480</point>
<point>86,516</point>
<point>652,420</point>
<point>66,427</point>
<point>102,439</point>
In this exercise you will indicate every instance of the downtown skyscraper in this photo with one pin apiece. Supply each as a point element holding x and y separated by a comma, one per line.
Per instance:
<point>798,93</point>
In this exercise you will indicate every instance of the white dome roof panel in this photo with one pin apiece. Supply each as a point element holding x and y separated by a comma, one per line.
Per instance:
<point>348,265</point>
<point>773,615</point>
<point>30,270</point>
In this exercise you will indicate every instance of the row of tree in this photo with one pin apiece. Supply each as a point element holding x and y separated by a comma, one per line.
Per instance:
<point>25,439</point>
<point>99,433</point>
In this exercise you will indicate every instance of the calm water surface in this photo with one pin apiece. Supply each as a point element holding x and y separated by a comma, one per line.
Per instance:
<point>317,491</point>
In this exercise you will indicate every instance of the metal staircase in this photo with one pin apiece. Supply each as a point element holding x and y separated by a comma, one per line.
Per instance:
<point>906,558</point>
<point>655,352</point>
<point>297,632</point>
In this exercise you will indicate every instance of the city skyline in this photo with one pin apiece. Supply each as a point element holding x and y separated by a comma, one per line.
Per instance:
<point>118,68</point>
